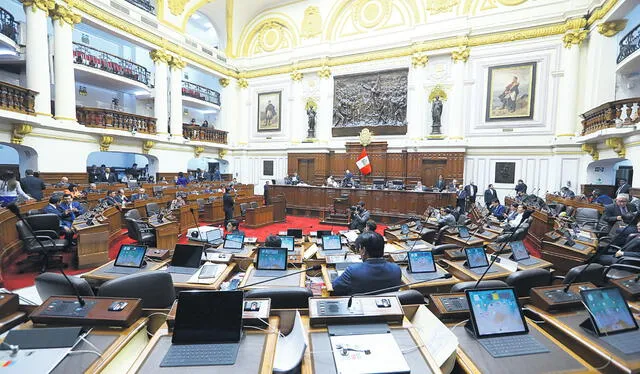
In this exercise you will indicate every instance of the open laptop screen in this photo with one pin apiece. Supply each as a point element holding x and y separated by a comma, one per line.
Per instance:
<point>272,259</point>
<point>131,256</point>
<point>519,251</point>
<point>608,310</point>
<point>214,235</point>
<point>495,312</point>
<point>421,262</point>
<point>476,257</point>
<point>233,241</point>
<point>331,243</point>
<point>188,256</point>
<point>322,233</point>
<point>463,231</point>
<point>288,242</point>
<point>296,233</point>
<point>208,317</point>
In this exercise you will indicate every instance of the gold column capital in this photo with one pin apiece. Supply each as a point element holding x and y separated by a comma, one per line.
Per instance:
<point>617,144</point>
<point>105,142</point>
<point>20,130</point>
<point>177,63</point>
<point>461,54</point>
<point>592,150</point>
<point>160,55</point>
<point>324,72</point>
<point>611,28</point>
<point>222,152</point>
<point>147,145</point>
<point>419,60</point>
<point>198,150</point>
<point>224,82</point>
<point>44,5</point>
<point>296,76</point>
<point>64,14</point>
<point>574,37</point>
<point>243,83</point>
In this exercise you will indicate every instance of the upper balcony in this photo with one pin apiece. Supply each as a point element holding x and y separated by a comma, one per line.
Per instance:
<point>115,120</point>
<point>9,29</point>
<point>145,5</point>
<point>203,134</point>
<point>17,99</point>
<point>617,116</point>
<point>629,52</point>
<point>199,97</point>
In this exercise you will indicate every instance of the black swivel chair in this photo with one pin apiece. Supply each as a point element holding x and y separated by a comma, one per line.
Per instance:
<point>587,218</point>
<point>440,234</point>
<point>133,214</point>
<point>594,274</point>
<point>152,209</point>
<point>253,204</point>
<point>37,257</point>
<point>54,284</point>
<point>140,232</point>
<point>523,281</point>
<point>462,286</point>
<point>282,298</point>
<point>624,267</point>
<point>155,288</point>
<point>243,209</point>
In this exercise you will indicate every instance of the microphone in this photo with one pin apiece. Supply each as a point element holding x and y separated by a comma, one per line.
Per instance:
<point>195,219</point>
<point>525,216</point>
<point>13,208</point>
<point>394,288</point>
<point>589,262</point>
<point>315,267</point>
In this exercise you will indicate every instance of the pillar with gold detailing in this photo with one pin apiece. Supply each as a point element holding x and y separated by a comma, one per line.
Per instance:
<point>567,121</point>
<point>248,119</point>
<point>454,127</point>
<point>228,102</point>
<point>65,83</point>
<point>176,65</point>
<point>416,97</point>
<point>37,51</point>
<point>298,123</point>
<point>161,98</point>
<point>324,113</point>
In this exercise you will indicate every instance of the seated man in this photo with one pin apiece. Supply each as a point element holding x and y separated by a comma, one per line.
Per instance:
<point>71,209</point>
<point>359,217</point>
<point>54,208</point>
<point>121,198</point>
<point>370,226</point>
<point>566,193</point>
<point>91,189</point>
<point>373,273</point>
<point>177,202</point>
<point>64,183</point>
<point>111,198</point>
<point>600,198</point>
<point>272,241</point>
<point>517,217</point>
<point>140,195</point>
<point>446,218</point>
<point>419,187</point>
<point>497,210</point>
<point>621,210</point>
<point>232,227</point>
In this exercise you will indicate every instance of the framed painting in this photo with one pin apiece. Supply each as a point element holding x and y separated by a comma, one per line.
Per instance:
<point>505,172</point>
<point>511,92</point>
<point>269,110</point>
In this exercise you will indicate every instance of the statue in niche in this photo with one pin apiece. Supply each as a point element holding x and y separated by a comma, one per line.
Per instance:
<point>311,108</point>
<point>436,114</point>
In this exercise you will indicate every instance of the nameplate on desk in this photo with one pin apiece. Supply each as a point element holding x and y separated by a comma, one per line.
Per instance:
<point>330,310</point>
<point>554,298</point>
<point>98,311</point>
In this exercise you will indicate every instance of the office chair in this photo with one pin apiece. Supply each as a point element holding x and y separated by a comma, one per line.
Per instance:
<point>523,281</point>
<point>282,297</point>
<point>624,267</point>
<point>54,284</point>
<point>36,256</point>
<point>152,209</point>
<point>440,234</point>
<point>462,286</point>
<point>32,212</point>
<point>587,218</point>
<point>253,204</point>
<point>439,249</point>
<point>407,297</point>
<point>133,214</point>
<point>155,288</point>
<point>140,232</point>
<point>594,274</point>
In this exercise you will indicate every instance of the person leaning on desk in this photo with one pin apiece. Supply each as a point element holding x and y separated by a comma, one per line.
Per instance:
<point>373,273</point>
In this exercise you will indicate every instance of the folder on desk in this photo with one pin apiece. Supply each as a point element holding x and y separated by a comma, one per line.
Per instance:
<point>370,353</point>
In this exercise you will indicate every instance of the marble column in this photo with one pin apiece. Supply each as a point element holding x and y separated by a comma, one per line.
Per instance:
<point>65,83</point>
<point>176,65</point>
<point>455,126</point>
<point>37,51</point>
<point>161,97</point>
<point>417,102</point>
<point>298,117</point>
<point>567,122</point>
<point>324,117</point>
<point>245,115</point>
<point>228,105</point>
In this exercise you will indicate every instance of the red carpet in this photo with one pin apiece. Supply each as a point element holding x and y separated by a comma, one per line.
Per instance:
<point>14,280</point>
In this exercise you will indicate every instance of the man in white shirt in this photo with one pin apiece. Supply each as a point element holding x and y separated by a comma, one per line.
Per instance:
<point>518,217</point>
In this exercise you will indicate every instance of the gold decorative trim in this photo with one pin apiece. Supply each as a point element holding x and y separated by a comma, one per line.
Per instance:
<point>441,6</point>
<point>160,55</point>
<point>564,135</point>
<point>419,60</point>
<point>601,12</point>
<point>617,145</point>
<point>44,114</point>
<point>20,130</point>
<point>222,152</point>
<point>64,15</point>
<point>44,5</point>
<point>461,54</point>
<point>177,63</point>
<point>324,72</point>
<point>365,137</point>
<point>147,145</point>
<point>105,142</point>
<point>198,150</point>
<point>592,150</point>
<point>574,37</point>
<point>437,91</point>
<point>64,118</point>
<point>224,82</point>
<point>311,23</point>
<point>243,83</point>
<point>610,29</point>
<point>176,7</point>
<point>296,76</point>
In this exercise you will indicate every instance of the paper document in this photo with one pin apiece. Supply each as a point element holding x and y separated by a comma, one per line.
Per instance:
<point>195,278</point>
<point>351,235</point>
<point>371,353</point>
<point>438,339</point>
<point>290,349</point>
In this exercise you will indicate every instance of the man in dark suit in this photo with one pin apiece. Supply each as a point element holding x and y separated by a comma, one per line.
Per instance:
<point>623,187</point>
<point>521,187</point>
<point>472,191</point>
<point>227,205</point>
<point>490,194</point>
<point>440,184</point>
<point>140,195</point>
<point>359,218</point>
<point>567,193</point>
<point>108,176</point>
<point>32,186</point>
<point>233,227</point>
<point>70,210</point>
<point>373,273</point>
<point>54,208</point>
<point>621,210</point>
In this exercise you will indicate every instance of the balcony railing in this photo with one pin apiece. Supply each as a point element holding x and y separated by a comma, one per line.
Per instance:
<point>85,55</point>
<point>8,25</point>
<point>144,5</point>
<point>116,120</point>
<point>204,134</point>
<point>615,114</point>
<point>201,93</point>
<point>17,99</point>
<point>629,44</point>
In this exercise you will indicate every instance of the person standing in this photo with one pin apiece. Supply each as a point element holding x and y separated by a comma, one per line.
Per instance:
<point>521,187</point>
<point>440,184</point>
<point>623,187</point>
<point>472,192</point>
<point>227,204</point>
<point>32,186</point>
<point>490,194</point>
<point>10,189</point>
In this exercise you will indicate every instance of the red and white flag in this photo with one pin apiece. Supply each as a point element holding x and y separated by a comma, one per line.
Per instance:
<point>363,163</point>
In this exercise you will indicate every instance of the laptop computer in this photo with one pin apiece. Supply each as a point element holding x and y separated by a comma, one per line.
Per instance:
<point>130,259</point>
<point>520,254</point>
<point>422,266</point>
<point>296,233</point>
<point>463,232</point>
<point>207,329</point>
<point>287,242</point>
<point>322,233</point>
<point>272,262</point>
<point>404,229</point>
<point>234,242</point>
<point>186,259</point>
<point>610,319</point>
<point>331,243</point>
<point>496,320</point>
<point>214,237</point>
<point>477,260</point>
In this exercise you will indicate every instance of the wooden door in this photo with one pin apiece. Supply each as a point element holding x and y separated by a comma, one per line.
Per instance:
<point>431,169</point>
<point>306,170</point>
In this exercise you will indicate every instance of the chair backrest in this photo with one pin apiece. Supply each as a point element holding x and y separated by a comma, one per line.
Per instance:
<point>40,222</point>
<point>153,287</point>
<point>243,208</point>
<point>253,204</point>
<point>32,212</point>
<point>54,284</point>
<point>460,287</point>
<point>133,214</point>
<point>594,274</point>
<point>584,215</point>
<point>29,243</point>
<point>408,297</point>
<point>520,234</point>
<point>283,298</point>
<point>439,249</point>
<point>560,208</point>
<point>152,208</point>
<point>523,281</point>
<point>440,234</point>
<point>200,203</point>
<point>133,228</point>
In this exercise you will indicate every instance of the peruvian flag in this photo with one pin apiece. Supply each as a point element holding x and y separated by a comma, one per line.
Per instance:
<point>363,163</point>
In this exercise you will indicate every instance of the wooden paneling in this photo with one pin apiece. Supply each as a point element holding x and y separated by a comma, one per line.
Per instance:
<point>54,177</point>
<point>409,167</point>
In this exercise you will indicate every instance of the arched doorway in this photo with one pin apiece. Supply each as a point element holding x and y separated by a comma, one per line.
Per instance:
<point>605,174</point>
<point>18,158</point>
<point>121,163</point>
<point>208,164</point>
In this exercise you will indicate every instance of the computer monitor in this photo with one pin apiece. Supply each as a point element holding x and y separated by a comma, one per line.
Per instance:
<point>463,231</point>
<point>272,259</point>
<point>331,243</point>
<point>495,312</point>
<point>214,235</point>
<point>187,255</point>
<point>519,251</point>
<point>322,233</point>
<point>608,311</point>
<point>404,229</point>
<point>131,256</point>
<point>476,257</point>
<point>287,242</point>
<point>421,262</point>
<point>296,233</point>
<point>233,241</point>
<point>208,317</point>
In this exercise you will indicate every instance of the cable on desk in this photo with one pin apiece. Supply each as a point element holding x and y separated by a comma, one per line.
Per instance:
<point>458,324</point>
<point>84,351</point>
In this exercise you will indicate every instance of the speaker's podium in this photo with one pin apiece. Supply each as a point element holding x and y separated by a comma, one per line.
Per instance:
<point>340,213</point>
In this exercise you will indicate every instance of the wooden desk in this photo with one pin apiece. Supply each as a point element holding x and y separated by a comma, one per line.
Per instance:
<point>564,257</point>
<point>166,234</point>
<point>458,270</point>
<point>114,220</point>
<point>473,358</point>
<point>186,217</point>
<point>292,281</point>
<point>565,327</point>
<point>464,243</point>
<point>258,217</point>
<point>213,212</point>
<point>256,354</point>
<point>93,244</point>
<point>429,287</point>
<point>100,275</point>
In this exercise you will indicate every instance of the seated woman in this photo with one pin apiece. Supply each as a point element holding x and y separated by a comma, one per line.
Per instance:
<point>10,189</point>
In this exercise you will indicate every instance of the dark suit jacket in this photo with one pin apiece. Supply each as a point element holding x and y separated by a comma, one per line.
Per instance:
<point>112,178</point>
<point>612,211</point>
<point>490,195</point>
<point>33,186</point>
<point>441,184</point>
<point>622,189</point>
<point>227,202</point>
<point>521,187</point>
<point>472,191</point>
<point>137,196</point>
<point>370,275</point>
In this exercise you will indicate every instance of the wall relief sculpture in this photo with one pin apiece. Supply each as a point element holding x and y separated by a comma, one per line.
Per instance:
<point>374,100</point>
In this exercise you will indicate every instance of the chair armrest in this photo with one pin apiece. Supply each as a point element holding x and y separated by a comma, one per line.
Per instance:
<point>50,233</point>
<point>44,238</point>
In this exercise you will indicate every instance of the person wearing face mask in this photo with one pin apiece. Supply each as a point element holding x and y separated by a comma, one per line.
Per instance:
<point>359,217</point>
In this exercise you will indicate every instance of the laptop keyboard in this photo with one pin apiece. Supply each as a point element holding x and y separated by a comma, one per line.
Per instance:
<point>181,270</point>
<point>514,345</point>
<point>122,270</point>
<point>425,276</point>
<point>268,273</point>
<point>201,355</point>
<point>626,342</point>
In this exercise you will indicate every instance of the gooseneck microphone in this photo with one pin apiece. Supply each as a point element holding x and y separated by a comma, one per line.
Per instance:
<point>195,219</point>
<point>13,208</point>
<point>395,288</point>
<point>315,267</point>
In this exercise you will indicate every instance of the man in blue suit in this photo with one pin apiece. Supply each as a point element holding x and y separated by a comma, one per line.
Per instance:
<point>373,273</point>
<point>54,208</point>
<point>71,209</point>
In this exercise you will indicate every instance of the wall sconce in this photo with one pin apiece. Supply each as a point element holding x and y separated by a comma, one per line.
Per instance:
<point>82,90</point>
